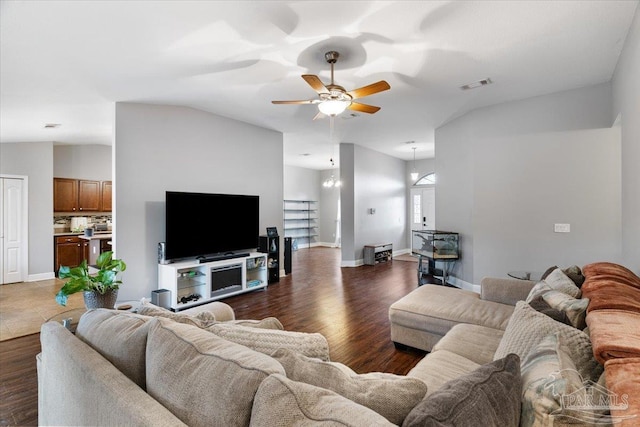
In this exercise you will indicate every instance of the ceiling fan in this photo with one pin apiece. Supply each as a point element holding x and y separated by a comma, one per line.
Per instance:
<point>334,99</point>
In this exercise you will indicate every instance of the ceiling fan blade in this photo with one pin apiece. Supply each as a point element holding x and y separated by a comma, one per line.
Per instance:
<point>307,101</point>
<point>363,108</point>
<point>315,83</point>
<point>369,90</point>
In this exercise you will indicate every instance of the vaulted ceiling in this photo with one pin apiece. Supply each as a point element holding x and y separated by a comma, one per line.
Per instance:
<point>68,62</point>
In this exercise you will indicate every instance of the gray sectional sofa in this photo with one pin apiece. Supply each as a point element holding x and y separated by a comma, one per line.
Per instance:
<point>486,364</point>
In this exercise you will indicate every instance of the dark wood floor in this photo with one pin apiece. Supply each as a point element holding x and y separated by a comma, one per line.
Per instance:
<point>349,306</point>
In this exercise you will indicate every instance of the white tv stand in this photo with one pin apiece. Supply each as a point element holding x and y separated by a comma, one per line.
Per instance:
<point>212,280</point>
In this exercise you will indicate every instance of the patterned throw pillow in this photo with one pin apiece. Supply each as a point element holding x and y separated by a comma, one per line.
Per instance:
<point>487,396</point>
<point>269,340</point>
<point>527,328</point>
<point>392,396</point>
<point>550,382</point>
<point>575,309</point>
<point>201,320</point>
<point>540,305</point>
<point>557,281</point>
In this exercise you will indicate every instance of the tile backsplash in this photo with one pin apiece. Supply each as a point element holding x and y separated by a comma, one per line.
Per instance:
<point>64,222</point>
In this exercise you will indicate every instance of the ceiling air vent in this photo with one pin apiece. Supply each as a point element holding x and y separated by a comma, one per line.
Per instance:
<point>474,85</point>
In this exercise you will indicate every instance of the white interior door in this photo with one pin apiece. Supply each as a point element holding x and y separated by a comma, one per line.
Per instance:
<point>11,231</point>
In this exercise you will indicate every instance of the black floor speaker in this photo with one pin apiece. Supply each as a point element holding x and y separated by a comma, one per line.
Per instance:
<point>287,255</point>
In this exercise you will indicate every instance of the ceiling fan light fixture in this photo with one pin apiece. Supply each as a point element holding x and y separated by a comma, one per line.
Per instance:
<point>333,107</point>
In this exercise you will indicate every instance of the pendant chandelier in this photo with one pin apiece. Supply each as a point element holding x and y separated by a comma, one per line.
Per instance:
<point>414,173</point>
<point>331,181</point>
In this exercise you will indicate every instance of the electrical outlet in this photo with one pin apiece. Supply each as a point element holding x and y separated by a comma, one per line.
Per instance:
<point>562,228</point>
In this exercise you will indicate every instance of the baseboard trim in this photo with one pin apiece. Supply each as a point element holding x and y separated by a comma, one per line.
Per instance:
<point>40,276</point>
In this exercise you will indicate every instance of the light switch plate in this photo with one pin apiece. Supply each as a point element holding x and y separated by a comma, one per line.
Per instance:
<point>562,228</point>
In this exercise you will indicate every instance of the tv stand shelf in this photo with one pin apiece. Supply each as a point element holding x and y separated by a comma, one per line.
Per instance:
<point>193,282</point>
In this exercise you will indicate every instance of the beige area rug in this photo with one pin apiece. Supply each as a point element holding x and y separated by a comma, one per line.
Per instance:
<point>406,257</point>
<point>25,306</point>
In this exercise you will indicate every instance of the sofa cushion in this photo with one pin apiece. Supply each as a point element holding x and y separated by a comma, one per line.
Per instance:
<point>266,323</point>
<point>476,343</point>
<point>430,308</point>
<point>488,396</point>
<point>574,308</point>
<point>283,402</point>
<point>439,367</point>
<point>202,378</point>
<point>392,396</point>
<point>527,328</point>
<point>120,337</point>
<point>269,340</point>
<point>548,376</point>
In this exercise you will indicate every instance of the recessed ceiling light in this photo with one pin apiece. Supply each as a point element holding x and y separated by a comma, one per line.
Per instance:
<point>474,85</point>
<point>52,125</point>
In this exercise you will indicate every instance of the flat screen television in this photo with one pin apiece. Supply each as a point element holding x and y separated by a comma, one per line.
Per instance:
<point>210,225</point>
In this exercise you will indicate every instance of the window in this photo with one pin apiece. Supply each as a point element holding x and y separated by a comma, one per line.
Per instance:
<point>428,179</point>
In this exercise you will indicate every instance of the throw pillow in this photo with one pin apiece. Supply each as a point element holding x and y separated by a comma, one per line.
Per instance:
<point>392,396</point>
<point>549,382</point>
<point>575,309</point>
<point>527,328</point>
<point>487,396</point>
<point>266,323</point>
<point>120,337</point>
<point>283,402</point>
<point>540,305</point>
<point>559,281</point>
<point>201,378</point>
<point>201,320</point>
<point>269,340</point>
<point>574,273</point>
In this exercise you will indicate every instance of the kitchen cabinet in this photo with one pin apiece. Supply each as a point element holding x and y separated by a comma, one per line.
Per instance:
<point>106,196</point>
<point>69,251</point>
<point>65,194</point>
<point>81,195</point>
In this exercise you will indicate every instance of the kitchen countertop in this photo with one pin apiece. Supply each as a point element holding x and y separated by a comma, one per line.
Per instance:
<point>71,233</point>
<point>104,236</point>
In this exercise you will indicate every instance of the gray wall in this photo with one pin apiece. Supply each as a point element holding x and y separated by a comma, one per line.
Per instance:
<point>35,160</point>
<point>479,153</point>
<point>371,180</point>
<point>159,148</point>
<point>82,162</point>
<point>626,105</point>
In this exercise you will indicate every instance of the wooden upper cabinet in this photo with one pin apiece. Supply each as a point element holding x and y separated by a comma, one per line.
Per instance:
<point>88,195</point>
<point>81,195</point>
<point>65,195</point>
<point>106,196</point>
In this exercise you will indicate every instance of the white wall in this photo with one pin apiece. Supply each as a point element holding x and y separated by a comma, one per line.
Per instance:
<point>626,105</point>
<point>159,148</point>
<point>371,180</point>
<point>82,162</point>
<point>468,158</point>
<point>35,160</point>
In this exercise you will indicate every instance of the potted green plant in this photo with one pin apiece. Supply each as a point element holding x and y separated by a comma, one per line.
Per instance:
<point>100,289</point>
